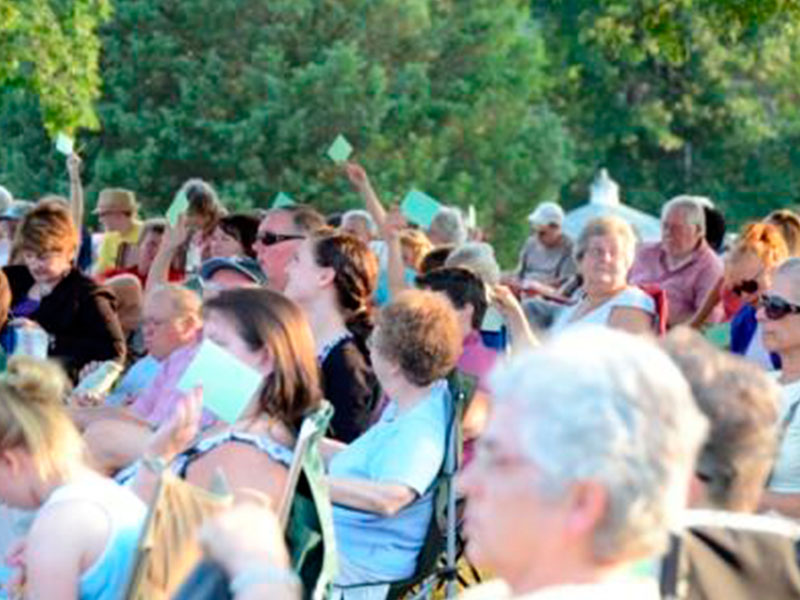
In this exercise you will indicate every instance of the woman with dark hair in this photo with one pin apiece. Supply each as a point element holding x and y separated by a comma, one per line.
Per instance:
<point>269,333</point>
<point>75,316</point>
<point>234,235</point>
<point>333,277</point>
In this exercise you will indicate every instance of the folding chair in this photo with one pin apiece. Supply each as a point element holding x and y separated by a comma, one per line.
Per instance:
<point>659,297</point>
<point>167,548</point>
<point>306,514</point>
<point>437,562</point>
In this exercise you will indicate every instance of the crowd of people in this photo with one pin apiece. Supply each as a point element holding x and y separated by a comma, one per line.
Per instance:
<point>603,434</point>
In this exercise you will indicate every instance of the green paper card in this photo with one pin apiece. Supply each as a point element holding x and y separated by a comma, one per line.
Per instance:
<point>719,335</point>
<point>282,199</point>
<point>419,208</point>
<point>228,384</point>
<point>178,206</point>
<point>340,150</point>
<point>65,144</point>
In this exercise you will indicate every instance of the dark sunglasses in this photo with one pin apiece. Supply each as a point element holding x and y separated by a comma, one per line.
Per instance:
<point>270,239</point>
<point>748,286</point>
<point>776,307</point>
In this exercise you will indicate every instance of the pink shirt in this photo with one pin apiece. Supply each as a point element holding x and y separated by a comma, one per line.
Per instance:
<point>476,359</point>
<point>687,286</point>
<point>156,403</point>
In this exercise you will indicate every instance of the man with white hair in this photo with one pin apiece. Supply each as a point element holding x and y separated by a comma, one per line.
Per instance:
<point>682,263</point>
<point>448,228</point>
<point>584,467</point>
<point>359,223</point>
<point>546,258</point>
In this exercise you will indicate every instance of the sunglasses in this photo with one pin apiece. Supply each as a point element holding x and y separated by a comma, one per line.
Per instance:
<point>748,286</point>
<point>270,239</point>
<point>776,308</point>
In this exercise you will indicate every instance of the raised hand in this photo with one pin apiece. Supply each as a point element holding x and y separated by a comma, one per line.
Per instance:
<point>175,434</point>
<point>357,176</point>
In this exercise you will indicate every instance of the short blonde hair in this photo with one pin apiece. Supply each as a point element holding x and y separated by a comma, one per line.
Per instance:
<point>32,416</point>
<point>607,226</point>
<point>48,226</point>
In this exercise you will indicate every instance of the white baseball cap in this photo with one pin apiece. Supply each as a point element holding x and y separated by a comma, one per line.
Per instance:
<point>547,213</point>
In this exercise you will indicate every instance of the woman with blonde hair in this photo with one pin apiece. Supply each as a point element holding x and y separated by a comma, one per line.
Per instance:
<point>604,253</point>
<point>749,268</point>
<point>86,526</point>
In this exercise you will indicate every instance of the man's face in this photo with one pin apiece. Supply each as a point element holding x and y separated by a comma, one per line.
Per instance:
<point>164,331</point>
<point>276,244</point>
<point>510,525</point>
<point>115,220</point>
<point>781,335</point>
<point>678,236</point>
<point>225,279</point>
<point>549,235</point>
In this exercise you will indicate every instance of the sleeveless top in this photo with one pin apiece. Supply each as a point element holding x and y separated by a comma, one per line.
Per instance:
<point>630,297</point>
<point>106,578</point>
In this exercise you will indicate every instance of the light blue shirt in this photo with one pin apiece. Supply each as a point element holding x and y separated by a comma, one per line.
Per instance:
<point>138,378</point>
<point>382,296</point>
<point>407,449</point>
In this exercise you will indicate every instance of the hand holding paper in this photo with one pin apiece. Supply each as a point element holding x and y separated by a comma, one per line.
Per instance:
<point>64,144</point>
<point>178,206</point>
<point>228,384</point>
<point>420,208</point>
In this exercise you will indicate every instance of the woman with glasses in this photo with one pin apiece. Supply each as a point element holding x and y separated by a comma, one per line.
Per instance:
<point>333,276</point>
<point>749,268</point>
<point>73,319</point>
<point>605,252</point>
<point>779,317</point>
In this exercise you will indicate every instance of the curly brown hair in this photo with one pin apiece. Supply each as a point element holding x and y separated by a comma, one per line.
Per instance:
<point>419,332</point>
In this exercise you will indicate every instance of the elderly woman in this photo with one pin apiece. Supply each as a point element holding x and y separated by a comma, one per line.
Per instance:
<point>381,483</point>
<point>604,252</point>
<point>48,293</point>
<point>779,317</point>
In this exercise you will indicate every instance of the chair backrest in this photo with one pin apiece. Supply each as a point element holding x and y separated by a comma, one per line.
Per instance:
<point>167,548</point>
<point>306,511</point>
<point>659,296</point>
<point>733,556</point>
<point>462,388</point>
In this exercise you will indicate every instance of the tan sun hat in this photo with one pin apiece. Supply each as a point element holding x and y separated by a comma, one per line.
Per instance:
<point>116,199</point>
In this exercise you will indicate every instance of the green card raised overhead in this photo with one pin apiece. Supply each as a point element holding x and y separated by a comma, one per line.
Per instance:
<point>282,199</point>
<point>340,150</point>
<point>419,208</point>
<point>65,144</point>
<point>228,384</point>
<point>178,206</point>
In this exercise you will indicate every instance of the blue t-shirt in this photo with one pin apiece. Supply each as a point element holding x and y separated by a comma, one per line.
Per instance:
<point>382,296</point>
<point>406,449</point>
<point>137,379</point>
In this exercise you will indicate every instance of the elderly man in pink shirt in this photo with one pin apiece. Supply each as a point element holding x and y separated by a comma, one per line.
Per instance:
<point>172,331</point>
<point>682,263</point>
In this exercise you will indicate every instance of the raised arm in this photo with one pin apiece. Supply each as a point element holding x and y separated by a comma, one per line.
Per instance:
<point>522,336</point>
<point>76,199</point>
<point>173,239</point>
<point>360,181</point>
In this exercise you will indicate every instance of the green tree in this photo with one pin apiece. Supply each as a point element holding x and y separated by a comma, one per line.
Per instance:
<point>51,48</point>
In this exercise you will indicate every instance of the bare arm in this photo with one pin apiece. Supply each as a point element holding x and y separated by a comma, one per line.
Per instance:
<point>632,320</point>
<point>396,268</point>
<point>372,496</point>
<point>170,243</point>
<point>522,336</point>
<point>330,448</point>
<point>360,180</point>
<point>76,198</point>
<point>710,302</point>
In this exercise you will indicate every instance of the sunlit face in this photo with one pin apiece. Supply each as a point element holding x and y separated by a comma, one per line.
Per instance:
<point>47,266</point>
<point>679,237</point>
<point>511,526</point>
<point>549,235</point>
<point>605,264</point>
<point>747,277</point>
<point>276,244</point>
<point>303,276</point>
<point>223,331</point>
<point>164,331</point>
<point>115,220</point>
<point>781,335</point>
<point>148,248</point>
<point>221,244</point>
<point>16,479</point>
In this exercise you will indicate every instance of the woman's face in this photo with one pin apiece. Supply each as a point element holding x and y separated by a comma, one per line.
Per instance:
<point>605,264</point>
<point>748,277</point>
<point>16,473</point>
<point>48,266</point>
<point>783,334</point>
<point>303,274</point>
<point>224,245</point>
<point>223,331</point>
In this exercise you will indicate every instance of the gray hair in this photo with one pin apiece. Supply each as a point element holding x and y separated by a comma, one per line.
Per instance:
<point>791,268</point>
<point>449,225</point>
<point>362,215</point>
<point>607,226</point>
<point>479,258</point>
<point>692,207</point>
<point>624,419</point>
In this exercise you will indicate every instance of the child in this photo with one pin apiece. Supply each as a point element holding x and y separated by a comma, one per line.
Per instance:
<point>82,539</point>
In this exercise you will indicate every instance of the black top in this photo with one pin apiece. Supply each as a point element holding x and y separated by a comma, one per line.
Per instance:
<point>79,314</point>
<point>350,385</point>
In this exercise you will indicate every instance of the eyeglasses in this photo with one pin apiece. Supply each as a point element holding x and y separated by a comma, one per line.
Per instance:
<point>270,239</point>
<point>45,256</point>
<point>748,286</point>
<point>776,308</point>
